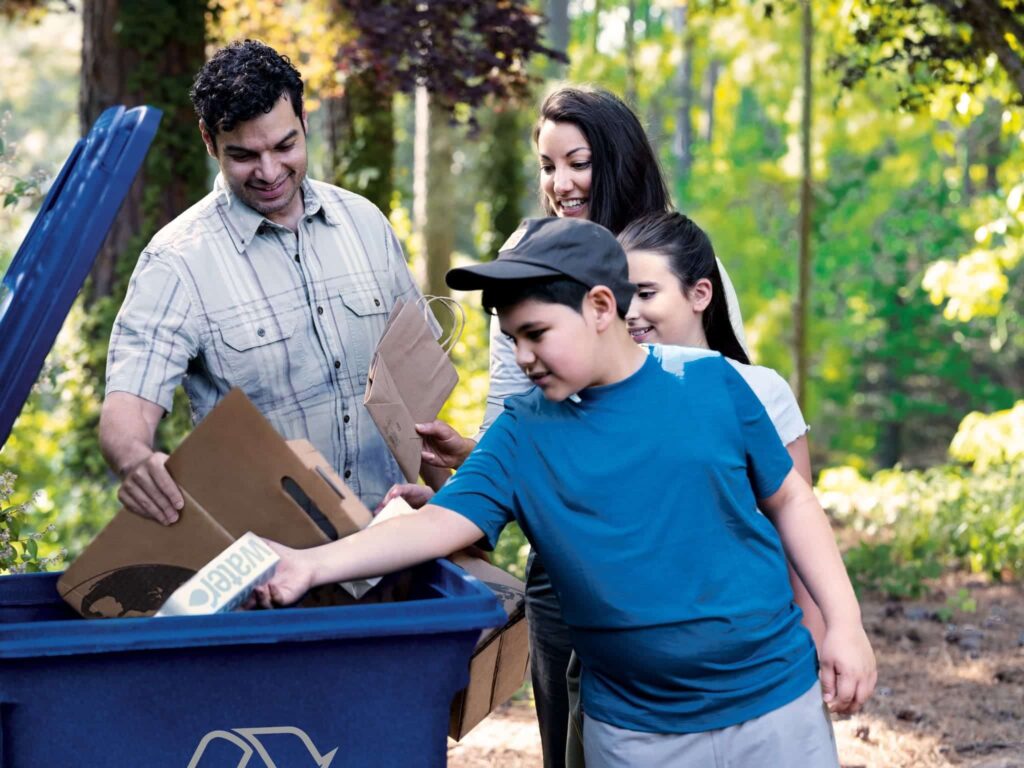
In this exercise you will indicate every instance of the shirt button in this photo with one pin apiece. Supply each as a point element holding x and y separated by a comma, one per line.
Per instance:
<point>376,302</point>
<point>348,473</point>
<point>337,363</point>
<point>319,310</point>
<point>296,258</point>
<point>309,219</point>
<point>347,418</point>
<point>261,332</point>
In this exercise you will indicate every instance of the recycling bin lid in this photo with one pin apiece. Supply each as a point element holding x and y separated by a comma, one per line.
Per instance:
<point>59,250</point>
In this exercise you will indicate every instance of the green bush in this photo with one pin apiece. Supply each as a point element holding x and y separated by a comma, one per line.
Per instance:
<point>914,525</point>
<point>19,547</point>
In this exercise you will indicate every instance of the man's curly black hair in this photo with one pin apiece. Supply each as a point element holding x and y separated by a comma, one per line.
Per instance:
<point>241,81</point>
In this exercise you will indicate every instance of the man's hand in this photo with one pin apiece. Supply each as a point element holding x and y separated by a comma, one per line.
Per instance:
<point>415,495</point>
<point>148,490</point>
<point>443,446</point>
<point>848,672</point>
<point>292,578</point>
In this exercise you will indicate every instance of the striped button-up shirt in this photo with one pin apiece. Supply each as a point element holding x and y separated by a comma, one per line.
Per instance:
<point>222,297</point>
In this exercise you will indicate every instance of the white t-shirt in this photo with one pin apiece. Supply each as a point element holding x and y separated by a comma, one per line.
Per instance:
<point>508,380</point>
<point>771,389</point>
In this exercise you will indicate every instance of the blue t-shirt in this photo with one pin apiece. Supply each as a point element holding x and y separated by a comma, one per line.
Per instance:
<point>640,499</point>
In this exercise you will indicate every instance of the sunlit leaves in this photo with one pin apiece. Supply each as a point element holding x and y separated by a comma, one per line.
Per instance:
<point>988,439</point>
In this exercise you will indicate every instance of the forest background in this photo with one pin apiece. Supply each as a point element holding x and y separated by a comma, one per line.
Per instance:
<point>858,166</point>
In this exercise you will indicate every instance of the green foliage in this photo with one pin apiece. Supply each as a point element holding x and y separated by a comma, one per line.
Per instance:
<point>961,602</point>
<point>20,550</point>
<point>913,525</point>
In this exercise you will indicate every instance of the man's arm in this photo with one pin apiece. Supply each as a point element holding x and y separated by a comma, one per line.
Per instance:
<point>395,544</point>
<point>127,428</point>
<point>847,661</point>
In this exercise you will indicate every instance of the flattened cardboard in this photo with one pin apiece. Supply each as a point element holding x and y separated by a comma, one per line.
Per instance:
<point>234,463</point>
<point>231,469</point>
<point>501,660</point>
<point>135,564</point>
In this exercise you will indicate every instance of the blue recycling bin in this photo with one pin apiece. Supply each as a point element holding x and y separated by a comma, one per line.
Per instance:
<point>347,686</point>
<point>357,685</point>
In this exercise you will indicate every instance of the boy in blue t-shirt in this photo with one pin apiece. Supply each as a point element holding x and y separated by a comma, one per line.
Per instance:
<point>640,490</point>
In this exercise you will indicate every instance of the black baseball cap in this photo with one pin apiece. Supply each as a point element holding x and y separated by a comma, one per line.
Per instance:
<point>554,247</point>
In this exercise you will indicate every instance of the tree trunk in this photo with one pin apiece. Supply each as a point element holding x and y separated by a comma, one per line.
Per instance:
<point>144,52</point>
<point>421,153</point>
<point>503,179</point>
<point>438,232</point>
<point>558,35</point>
<point>361,139</point>
<point>682,144</point>
<point>595,25</point>
<point>801,308</point>
<point>631,92</point>
<point>710,87</point>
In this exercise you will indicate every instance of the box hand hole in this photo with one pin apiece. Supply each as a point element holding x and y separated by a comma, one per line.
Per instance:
<point>292,489</point>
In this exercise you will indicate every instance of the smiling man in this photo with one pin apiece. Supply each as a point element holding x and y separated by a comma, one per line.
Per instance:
<point>273,283</point>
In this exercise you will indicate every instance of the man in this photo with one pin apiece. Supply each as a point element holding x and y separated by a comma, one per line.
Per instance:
<point>273,283</point>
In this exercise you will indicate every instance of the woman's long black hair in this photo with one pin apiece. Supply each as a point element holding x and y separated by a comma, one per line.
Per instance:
<point>691,258</point>
<point>626,180</point>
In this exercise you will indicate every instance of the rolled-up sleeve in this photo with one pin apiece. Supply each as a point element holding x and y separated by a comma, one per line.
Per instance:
<point>154,335</point>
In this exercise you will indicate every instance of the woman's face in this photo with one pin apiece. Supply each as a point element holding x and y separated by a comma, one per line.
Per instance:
<point>565,168</point>
<point>662,312</point>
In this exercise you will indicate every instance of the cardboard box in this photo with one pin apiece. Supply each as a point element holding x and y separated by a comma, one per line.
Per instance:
<point>501,660</point>
<point>237,474</point>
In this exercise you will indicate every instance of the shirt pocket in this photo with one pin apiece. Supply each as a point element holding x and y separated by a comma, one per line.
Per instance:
<point>264,355</point>
<point>364,314</point>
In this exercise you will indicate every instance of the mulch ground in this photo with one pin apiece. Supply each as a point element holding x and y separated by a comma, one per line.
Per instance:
<point>950,691</point>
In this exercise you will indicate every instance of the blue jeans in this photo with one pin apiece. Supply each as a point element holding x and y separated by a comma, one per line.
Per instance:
<point>550,650</point>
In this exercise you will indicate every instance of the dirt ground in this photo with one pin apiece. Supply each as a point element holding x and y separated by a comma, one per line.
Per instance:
<point>950,691</point>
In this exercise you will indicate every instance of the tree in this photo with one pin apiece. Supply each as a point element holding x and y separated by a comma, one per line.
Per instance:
<point>144,52</point>
<point>931,43</point>
<point>361,138</point>
<point>682,143</point>
<point>800,306</point>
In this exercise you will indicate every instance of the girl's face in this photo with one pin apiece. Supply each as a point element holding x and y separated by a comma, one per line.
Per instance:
<point>662,312</point>
<point>565,168</point>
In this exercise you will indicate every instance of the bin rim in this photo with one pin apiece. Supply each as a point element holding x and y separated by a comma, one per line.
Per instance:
<point>470,606</point>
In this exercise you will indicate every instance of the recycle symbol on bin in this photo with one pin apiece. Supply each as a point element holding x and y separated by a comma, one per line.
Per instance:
<point>248,741</point>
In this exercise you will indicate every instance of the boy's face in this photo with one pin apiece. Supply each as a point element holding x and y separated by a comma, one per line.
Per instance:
<point>555,345</point>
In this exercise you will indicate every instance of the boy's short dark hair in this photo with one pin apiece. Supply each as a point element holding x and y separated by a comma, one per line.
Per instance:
<point>558,290</point>
<point>242,80</point>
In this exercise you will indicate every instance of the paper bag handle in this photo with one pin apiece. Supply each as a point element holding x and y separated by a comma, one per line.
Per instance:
<point>458,315</point>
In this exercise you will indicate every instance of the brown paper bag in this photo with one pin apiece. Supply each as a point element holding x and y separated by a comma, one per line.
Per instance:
<point>409,380</point>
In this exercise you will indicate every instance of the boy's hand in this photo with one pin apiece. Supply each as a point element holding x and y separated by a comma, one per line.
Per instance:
<point>291,580</point>
<point>443,446</point>
<point>415,495</point>
<point>848,672</point>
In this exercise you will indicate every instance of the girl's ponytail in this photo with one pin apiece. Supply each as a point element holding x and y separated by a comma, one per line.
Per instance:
<point>691,258</point>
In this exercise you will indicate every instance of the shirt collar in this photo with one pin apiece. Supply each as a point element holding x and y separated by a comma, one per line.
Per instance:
<point>244,223</point>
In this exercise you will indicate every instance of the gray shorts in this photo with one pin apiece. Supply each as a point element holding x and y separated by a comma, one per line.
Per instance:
<point>796,735</point>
